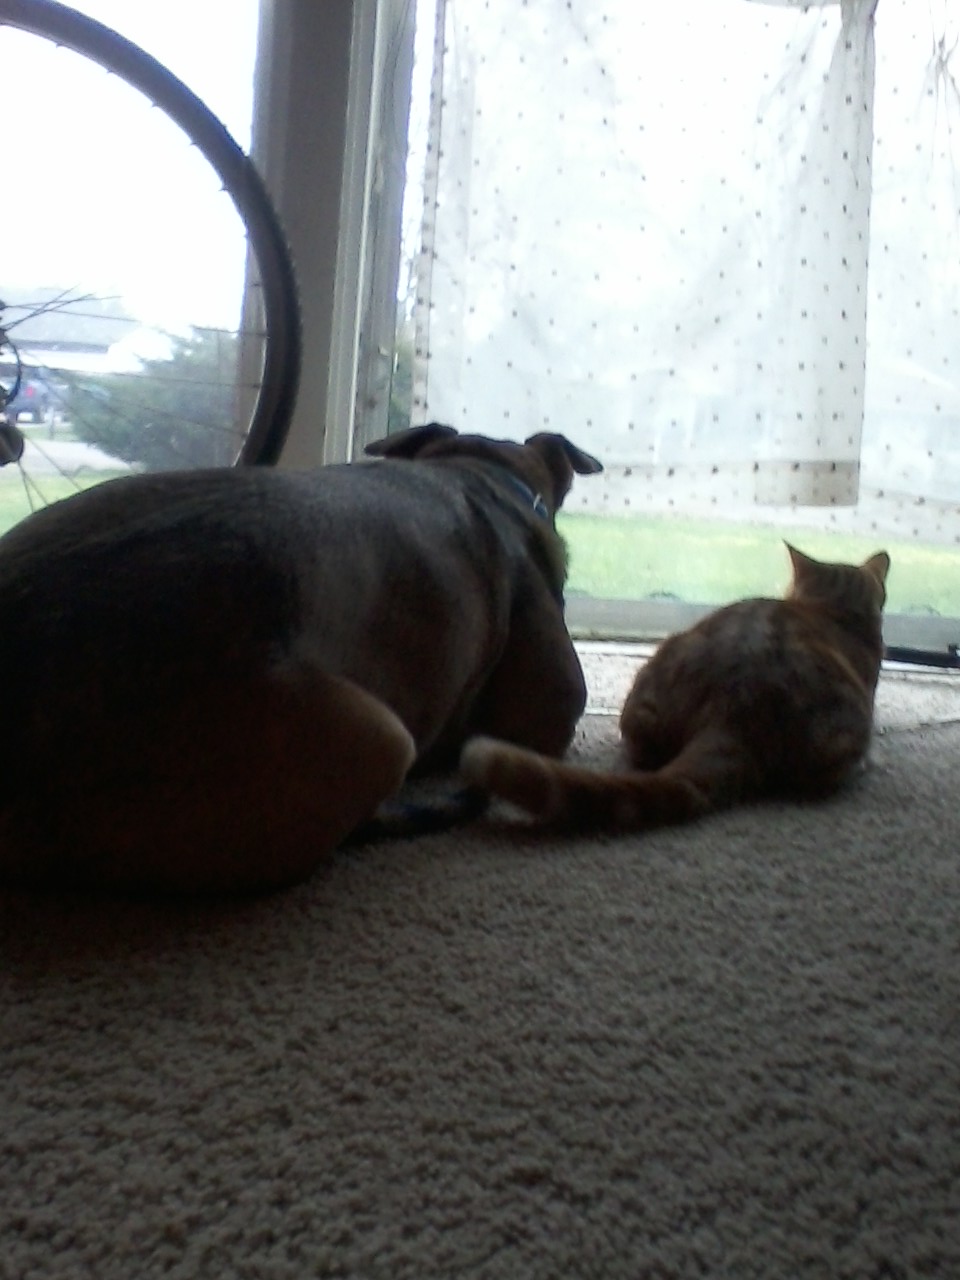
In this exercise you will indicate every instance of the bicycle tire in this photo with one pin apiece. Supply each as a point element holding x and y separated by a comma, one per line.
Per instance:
<point>276,397</point>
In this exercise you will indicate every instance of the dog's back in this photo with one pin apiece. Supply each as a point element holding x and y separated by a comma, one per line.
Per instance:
<point>254,658</point>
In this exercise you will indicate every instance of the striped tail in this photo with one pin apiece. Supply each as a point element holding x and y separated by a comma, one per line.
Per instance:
<point>701,778</point>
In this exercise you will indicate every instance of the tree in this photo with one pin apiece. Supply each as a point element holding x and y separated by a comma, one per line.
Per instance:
<point>179,411</point>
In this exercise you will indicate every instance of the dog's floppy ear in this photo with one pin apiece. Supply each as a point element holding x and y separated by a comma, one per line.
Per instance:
<point>562,459</point>
<point>407,444</point>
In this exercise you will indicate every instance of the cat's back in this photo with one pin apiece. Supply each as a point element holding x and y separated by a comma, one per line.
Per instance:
<point>759,656</point>
<point>751,636</point>
<point>781,690</point>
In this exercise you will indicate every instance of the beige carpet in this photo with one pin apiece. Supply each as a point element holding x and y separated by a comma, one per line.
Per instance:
<point>726,1051</point>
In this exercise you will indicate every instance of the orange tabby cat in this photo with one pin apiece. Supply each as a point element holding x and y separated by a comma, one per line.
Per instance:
<point>762,697</point>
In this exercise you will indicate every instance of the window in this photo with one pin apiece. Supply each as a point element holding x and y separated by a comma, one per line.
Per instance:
<point>717,243</point>
<point>122,252</point>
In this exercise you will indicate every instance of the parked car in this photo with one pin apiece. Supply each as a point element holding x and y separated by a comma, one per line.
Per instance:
<point>38,395</point>
<point>33,398</point>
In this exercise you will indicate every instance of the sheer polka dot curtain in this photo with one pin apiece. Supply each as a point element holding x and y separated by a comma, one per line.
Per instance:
<point>715,241</point>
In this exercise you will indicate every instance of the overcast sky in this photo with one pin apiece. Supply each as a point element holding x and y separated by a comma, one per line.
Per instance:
<point>106,196</point>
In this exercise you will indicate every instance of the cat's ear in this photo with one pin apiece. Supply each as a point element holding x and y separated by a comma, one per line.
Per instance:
<point>878,566</point>
<point>803,565</point>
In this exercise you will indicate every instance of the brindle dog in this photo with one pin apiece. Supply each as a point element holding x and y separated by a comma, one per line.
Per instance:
<point>211,678</point>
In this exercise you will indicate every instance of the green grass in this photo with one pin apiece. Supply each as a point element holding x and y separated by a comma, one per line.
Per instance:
<point>705,562</point>
<point>694,561</point>
<point>15,504</point>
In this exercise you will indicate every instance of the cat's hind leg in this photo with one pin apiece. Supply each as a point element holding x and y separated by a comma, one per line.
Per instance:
<point>836,753</point>
<point>647,740</point>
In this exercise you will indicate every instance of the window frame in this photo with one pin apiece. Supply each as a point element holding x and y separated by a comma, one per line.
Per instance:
<point>327,76</point>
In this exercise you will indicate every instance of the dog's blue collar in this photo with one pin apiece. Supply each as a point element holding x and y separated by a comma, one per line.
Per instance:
<point>533,500</point>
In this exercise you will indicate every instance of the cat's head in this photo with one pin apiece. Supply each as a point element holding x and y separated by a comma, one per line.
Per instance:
<point>851,586</point>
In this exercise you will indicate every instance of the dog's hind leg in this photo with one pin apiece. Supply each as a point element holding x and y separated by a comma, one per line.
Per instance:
<point>243,789</point>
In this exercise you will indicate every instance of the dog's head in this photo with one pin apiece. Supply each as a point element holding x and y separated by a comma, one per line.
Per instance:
<point>546,462</point>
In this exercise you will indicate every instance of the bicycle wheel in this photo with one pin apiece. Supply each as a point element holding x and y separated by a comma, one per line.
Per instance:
<point>241,414</point>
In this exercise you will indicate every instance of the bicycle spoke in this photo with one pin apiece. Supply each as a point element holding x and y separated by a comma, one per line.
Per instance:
<point>130,372</point>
